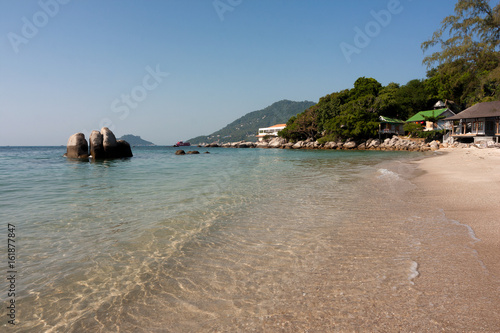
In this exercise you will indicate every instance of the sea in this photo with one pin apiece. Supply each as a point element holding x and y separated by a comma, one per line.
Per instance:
<point>233,240</point>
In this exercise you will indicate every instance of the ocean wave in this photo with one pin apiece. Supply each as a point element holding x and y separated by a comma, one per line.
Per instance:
<point>387,174</point>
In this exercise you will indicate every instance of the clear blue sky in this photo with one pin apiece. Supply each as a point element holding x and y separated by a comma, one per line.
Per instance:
<point>169,70</point>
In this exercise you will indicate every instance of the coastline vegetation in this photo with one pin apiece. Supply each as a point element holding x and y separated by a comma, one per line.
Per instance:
<point>464,72</point>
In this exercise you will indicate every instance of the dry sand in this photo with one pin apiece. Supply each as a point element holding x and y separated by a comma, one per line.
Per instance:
<point>465,183</point>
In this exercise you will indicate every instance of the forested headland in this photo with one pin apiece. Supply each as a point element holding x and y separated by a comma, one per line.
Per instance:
<point>464,71</point>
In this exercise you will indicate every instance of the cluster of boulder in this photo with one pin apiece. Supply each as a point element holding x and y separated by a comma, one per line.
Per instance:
<point>101,145</point>
<point>394,143</point>
<point>189,152</point>
<point>478,144</point>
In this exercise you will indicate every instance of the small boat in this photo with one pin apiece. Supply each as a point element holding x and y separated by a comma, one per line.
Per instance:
<point>182,144</point>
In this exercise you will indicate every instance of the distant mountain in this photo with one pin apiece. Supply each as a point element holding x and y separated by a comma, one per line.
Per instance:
<point>246,127</point>
<point>134,140</point>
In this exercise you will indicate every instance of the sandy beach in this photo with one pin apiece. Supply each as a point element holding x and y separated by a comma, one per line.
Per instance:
<point>458,238</point>
<point>465,183</point>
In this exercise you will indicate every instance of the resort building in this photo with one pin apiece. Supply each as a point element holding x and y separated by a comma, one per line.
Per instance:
<point>270,131</point>
<point>480,122</point>
<point>419,118</point>
<point>390,126</point>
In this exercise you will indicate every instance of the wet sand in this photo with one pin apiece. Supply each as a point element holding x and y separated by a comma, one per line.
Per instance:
<point>458,253</point>
<point>465,183</point>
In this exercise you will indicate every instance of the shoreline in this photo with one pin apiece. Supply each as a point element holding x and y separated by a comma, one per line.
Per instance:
<point>448,205</point>
<point>465,183</point>
<point>395,143</point>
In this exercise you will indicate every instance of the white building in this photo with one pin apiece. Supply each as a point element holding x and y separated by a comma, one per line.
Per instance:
<point>270,131</point>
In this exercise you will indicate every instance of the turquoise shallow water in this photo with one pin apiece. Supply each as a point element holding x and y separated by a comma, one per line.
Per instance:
<point>234,240</point>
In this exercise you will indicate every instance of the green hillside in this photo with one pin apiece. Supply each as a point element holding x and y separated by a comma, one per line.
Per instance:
<point>246,127</point>
<point>135,140</point>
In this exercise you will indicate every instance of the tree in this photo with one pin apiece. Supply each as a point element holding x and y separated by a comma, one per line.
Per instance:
<point>387,104</point>
<point>413,129</point>
<point>474,31</point>
<point>329,106</point>
<point>434,119</point>
<point>301,127</point>
<point>365,86</point>
<point>412,98</point>
<point>469,58</point>
<point>357,120</point>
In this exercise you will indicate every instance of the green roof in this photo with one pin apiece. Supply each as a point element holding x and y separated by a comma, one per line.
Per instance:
<point>430,113</point>
<point>384,119</point>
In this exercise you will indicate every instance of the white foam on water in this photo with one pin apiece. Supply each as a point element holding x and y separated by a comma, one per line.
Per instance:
<point>474,238</point>
<point>387,174</point>
<point>413,272</point>
<point>470,231</point>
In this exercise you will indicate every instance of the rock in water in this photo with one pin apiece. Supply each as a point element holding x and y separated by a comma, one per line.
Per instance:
<point>331,145</point>
<point>96,145</point>
<point>77,146</point>
<point>262,145</point>
<point>109,143</point>
<point>102,145</point>
<point>434,145</point>
<point>242,145</point>
<point>180,152</point>
<point>374,143</point>
<point>193,152</point>
<point>350,145</point>
<point>123,149</point>
<point>276,142</point>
